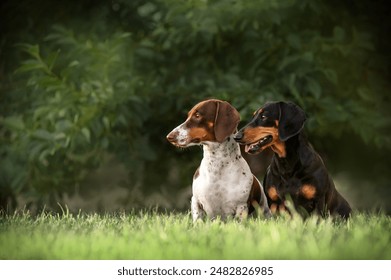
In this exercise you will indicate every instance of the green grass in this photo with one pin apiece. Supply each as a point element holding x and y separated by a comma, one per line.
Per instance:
<point>173,236</point>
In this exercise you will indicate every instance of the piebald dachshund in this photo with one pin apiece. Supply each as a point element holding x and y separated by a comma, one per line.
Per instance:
<point>223,185</point>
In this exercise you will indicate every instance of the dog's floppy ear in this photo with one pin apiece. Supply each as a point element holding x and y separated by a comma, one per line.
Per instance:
<point>226,120</point>
<point>291,120</point>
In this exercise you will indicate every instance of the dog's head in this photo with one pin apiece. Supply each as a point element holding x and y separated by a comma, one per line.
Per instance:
<point>271,126</point>
<point>210,120</point>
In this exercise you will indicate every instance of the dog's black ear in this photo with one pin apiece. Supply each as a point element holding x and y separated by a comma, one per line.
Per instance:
<point>226,120</point>
<point>291,120</point>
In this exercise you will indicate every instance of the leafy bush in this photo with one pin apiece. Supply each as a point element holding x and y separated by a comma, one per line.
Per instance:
<point>81,104</point>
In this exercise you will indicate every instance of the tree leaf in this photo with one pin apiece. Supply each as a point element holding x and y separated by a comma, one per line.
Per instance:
<point>339,33</point>
<point>43,134</point>
<point>13,122</point>
<point>33,50</point>
<point>51,59</point>
<point>30,65</point>
<point>87,134</point>
<point>314,87</point>
<point>294,41</point>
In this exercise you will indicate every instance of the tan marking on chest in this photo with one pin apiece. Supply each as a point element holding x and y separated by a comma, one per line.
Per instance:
<point>272,192</point>
<point>308,191</point>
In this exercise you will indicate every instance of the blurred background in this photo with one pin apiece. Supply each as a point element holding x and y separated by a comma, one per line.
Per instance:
<point>89,90</point>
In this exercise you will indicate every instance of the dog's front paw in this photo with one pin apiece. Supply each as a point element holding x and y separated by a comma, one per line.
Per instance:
<point>241,212</point>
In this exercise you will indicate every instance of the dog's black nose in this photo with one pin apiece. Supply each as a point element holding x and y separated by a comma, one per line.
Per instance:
<point>238,136</point>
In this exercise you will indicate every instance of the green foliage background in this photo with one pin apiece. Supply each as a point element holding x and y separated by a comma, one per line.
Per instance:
<point>89,84</point>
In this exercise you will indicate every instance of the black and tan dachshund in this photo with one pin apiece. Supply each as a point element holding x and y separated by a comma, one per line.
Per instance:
<point>296,170</point>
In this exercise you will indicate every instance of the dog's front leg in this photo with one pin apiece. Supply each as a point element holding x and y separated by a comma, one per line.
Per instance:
<point>241,212</point>
<point>264,206</point>
<point>196,210</point>
<point>320,206</point>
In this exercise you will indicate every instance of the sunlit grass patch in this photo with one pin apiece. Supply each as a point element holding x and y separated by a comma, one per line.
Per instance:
<point>147,235</point>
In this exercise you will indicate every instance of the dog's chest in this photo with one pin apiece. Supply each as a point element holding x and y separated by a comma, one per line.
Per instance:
<point>223,183</point>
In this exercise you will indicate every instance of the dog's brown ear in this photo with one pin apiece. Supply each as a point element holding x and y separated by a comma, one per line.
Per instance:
<point>291,120</point>
<point>226,120</point>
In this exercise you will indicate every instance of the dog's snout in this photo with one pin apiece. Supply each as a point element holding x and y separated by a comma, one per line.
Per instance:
<point>171,137</point>
<point>238,136</point>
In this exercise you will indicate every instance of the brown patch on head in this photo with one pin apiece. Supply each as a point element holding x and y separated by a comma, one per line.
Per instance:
<point>198,134</point>
<point>226,120</point>
<point>308,191</point>
<point>198,127</point>
<point>200,122</point>
<point>212,120</point>
<point>272,192</point>
<point>206,109</point>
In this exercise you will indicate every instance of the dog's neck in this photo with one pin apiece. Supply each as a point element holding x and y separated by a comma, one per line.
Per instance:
<point>292,160</point>
<point>279,148</point>
<point>227,149</point>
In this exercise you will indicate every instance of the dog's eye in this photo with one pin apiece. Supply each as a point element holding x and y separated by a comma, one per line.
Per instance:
<point>263,117</point>
<point>197,115</point>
